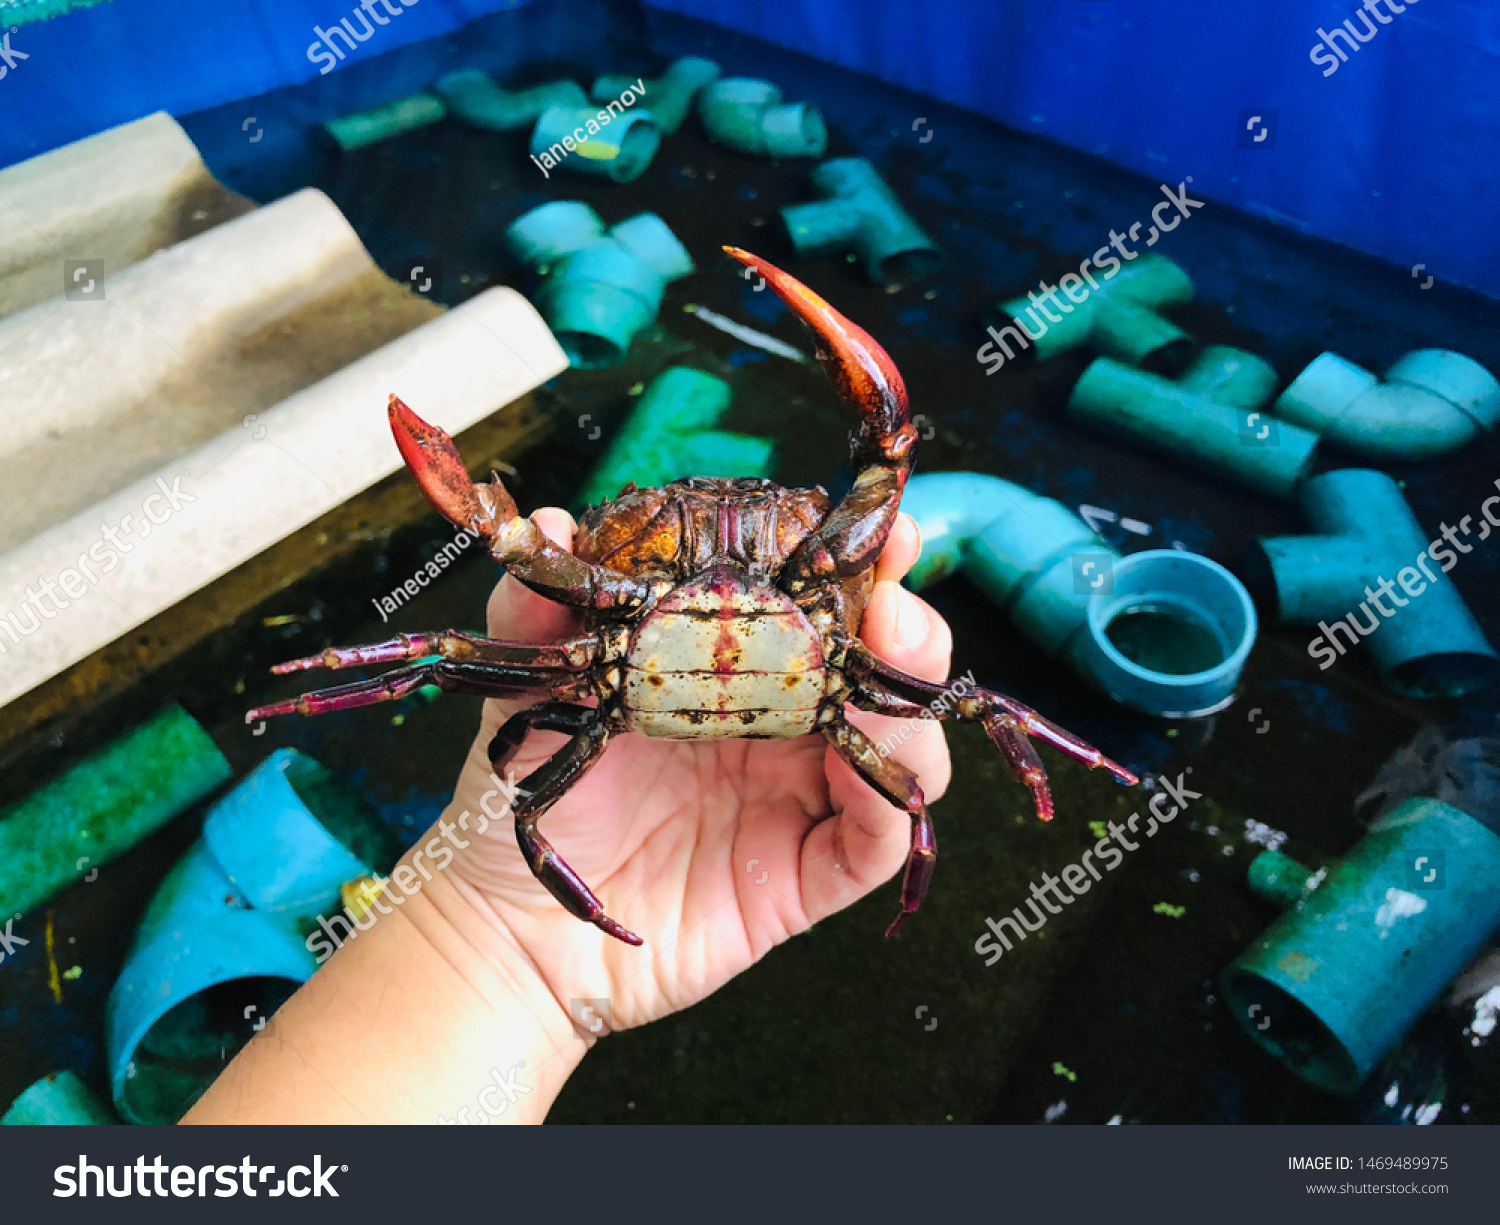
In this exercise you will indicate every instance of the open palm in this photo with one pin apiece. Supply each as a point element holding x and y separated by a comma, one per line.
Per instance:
<point>713,853</point>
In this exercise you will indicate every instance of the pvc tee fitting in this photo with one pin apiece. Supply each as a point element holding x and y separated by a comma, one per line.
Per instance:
<point>474,98</point>
<point>1358,956</point>
<point>1425,642</point>
<point>670,434</point>
<point>1210,417</point>
<point>223,939</point>
<point>1431,401</point>
<point>598,291</point>
<point>382,122</point>
<point>1163,631</point>
<point>670,96</point>
<point>750,116</point>
<point>1115,313</point>
<point>861,213</point>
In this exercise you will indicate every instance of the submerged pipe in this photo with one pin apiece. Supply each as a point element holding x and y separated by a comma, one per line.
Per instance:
<point>223,942</point>
<point>670,96</point>
<point>476,99</point>
<point>620,150</point>
<point>861,213</point>
<point>1432,401</point>
<point>1426,643</point>
<point>1117,315</point>
<point>1360,954</point>
<point>58,1098</point>
<point>1163,631</point>
<point>670,434</point>
<point>597,291</point>
<point>382,122</point>
<point>750,116</point>
<point>1209,417</point>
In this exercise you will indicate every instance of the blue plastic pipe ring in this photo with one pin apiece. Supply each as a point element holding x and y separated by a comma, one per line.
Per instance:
<point>1170,635</point>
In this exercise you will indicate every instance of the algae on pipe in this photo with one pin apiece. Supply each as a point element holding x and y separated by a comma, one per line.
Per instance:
<point>103,806</point>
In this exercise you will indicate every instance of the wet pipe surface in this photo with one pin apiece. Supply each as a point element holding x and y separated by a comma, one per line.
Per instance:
<point>1112,1008</point>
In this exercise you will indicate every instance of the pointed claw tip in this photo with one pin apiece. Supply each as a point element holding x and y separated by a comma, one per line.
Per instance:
<point>897,922</point>
<point>608,925</point>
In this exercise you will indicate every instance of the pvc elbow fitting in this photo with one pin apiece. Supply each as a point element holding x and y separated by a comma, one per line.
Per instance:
<point>1164,631</point>
<point>1342,976</point>
<point>669,96</point>
<point>382,122</point>
<point>861,213</point>
<point>234,910</point>
<point>670,434</point>
<point>620,150</point>
<point>476,99</point>
<point>1431,401</point>
<point>1228,436</point>
<point>598,290</point>
<point>1118,318</point>
<point>1429,644</point>
<point>750,116</point>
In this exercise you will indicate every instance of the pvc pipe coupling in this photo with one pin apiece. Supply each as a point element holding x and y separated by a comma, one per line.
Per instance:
<point>1164,631</point>
<point>222,944</point>
<point>1213,417</point>
<point>1363,951</point>
<point>1370,549</point>
<point>749,116</point>
<point>1116,314</point>
<point>474,98</point>
<point>597,290</point>
<point>670,434</point>
<point>861,213</point>
<point>669,96</point>
<point>1430,402</point>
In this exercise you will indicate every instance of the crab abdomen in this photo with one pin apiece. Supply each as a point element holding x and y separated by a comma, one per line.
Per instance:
<point>721,659</point>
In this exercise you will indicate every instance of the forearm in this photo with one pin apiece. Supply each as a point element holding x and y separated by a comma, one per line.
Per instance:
<point>424,1017</point>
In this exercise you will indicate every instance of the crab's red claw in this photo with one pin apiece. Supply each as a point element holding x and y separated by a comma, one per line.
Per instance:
<point>859,369</point>
<point>441,475</point>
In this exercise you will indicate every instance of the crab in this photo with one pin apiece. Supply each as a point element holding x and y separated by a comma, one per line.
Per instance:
<point>713,608</point>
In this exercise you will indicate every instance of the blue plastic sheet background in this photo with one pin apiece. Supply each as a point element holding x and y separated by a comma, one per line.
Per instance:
<point>1397,153</point>
<point>1394,154</point>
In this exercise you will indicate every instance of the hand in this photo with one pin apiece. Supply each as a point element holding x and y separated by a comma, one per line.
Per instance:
<point>714,852</point>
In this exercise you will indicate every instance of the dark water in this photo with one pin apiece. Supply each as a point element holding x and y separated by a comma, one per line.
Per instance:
<point>1165,640</point>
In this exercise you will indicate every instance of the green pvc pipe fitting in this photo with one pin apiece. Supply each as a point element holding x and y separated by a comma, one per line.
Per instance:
<point>1235,440</point>
<point>58,1098</point>
<point>1163,631</point>
<point>598,290</point>
<point>1116,314</point>
<point>227,937</point>
<point>670,96</point>
<point>620,149</point>
<point>1425,642</point>
<point>68,829</point>
<point>477,100</point>
<point>1342,976</point>
<point>749,116</point>
<point>670,434</point>
<point>861,213</point>
<point>1432,401</point>
<point>382,122</point>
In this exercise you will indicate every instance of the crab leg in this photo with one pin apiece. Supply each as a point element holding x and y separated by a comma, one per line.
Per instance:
<point>850,540</point>
<point>898,785</point>
<point>489,512</point>
<point>451,644</point>
<point>487,680</point>
<point>547,784</point>
<point>1009,723</point>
